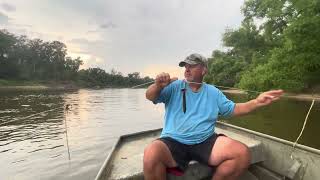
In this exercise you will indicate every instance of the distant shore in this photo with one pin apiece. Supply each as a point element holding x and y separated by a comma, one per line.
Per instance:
<point>67,87</point>
<point>38,87</point>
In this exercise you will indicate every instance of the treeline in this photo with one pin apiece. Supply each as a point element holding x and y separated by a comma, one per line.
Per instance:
<point>26,59</point>
<point>276,46</point>
<point>96,77</point>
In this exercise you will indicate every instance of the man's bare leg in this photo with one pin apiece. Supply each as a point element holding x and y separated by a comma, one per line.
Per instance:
<point>157,157</point>
<point>231,157</point>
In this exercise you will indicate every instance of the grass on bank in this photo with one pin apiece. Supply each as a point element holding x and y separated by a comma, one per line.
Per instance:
<point>4,82</point>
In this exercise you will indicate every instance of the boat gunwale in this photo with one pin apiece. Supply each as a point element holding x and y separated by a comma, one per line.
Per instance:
<point>283,141</point>
<point>107,160</point>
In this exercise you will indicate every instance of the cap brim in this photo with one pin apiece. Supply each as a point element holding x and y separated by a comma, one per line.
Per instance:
<point>182,63</point>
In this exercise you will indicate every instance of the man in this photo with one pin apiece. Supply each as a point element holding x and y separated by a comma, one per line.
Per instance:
<point>191,110</point>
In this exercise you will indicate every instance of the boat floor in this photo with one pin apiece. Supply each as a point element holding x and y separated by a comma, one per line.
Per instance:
<point>127,160</point>
<point>128,157</point>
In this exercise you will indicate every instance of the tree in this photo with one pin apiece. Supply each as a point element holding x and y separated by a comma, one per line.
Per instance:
<point>294,65</point>
<point>8,67</point>
<point>277,46</point>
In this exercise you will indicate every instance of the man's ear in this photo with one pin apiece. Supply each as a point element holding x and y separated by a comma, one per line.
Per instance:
<point>204,71</point>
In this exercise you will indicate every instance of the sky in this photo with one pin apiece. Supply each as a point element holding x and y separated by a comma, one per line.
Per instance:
<point>143,36</point>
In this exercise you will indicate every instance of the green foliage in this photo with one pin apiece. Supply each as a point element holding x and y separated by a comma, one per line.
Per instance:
<point>273,75</point>
<point>277,46</point>
<point>224,69</point>
<point>34,60</point>
<point>96,77</point>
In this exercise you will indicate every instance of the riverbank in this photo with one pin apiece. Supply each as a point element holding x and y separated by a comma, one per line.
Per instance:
<point>36,85</point>
<point>39,87</point>
<point>51,87</point>
<point>66,86</point>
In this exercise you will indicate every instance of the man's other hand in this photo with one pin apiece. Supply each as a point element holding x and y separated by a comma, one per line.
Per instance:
<point>163,79</point>
<point>268,97</point>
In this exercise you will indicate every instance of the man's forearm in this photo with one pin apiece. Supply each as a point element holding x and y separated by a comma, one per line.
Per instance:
<point>263,99</point>
<point>244,108</point>
<point>153,92</point>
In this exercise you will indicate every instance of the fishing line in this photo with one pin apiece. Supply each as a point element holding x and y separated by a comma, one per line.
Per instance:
<point>297,163</point>
<point>142,84</point>
<point>66,128</point>
<point>303,127</point>
<point>226,87</point>
<point>67,108</point>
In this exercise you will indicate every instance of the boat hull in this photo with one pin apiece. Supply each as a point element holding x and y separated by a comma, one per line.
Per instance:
<point>272,157</point>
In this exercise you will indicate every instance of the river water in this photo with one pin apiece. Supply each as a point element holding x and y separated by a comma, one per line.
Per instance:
<point>34,144</point>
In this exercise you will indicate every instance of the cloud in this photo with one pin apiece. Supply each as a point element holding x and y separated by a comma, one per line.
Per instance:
<point>79,41</point>
<point>7,7</point>
<point>108,25</point>
<point>22,25</point>
<point>137,35</point>
<point>87,45</point>
<point>155,69</point>
<point>92,49</point>
<point>4,19</point>
<point>93,31</point>
<point>92,62</point>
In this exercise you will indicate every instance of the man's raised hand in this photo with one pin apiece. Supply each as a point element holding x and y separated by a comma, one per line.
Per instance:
<point>163,79</point>
<point>268,97</point>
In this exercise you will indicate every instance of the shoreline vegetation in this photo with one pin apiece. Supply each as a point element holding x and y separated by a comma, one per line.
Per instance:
<point>66,85</point>
<point>46,65</point>
<point>275,47</point>
<point>36,85</point>
<point>69,86</point>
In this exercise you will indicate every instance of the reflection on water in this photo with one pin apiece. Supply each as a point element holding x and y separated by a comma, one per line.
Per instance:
<point>35,147</point>
<point>283,119</point>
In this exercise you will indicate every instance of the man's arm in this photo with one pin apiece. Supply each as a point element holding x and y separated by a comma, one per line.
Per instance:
<point>153,92</point>
<point>162,80</point>
<point>263,99</point>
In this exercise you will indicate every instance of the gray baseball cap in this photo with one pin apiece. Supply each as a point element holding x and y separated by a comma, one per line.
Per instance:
<point>194,59</point>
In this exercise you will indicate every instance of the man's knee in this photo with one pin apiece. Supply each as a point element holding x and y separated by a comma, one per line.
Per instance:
<point>229,149</point>
<point>149,156</point>
<point>241,153</point>
<point>236,161</point>
<point>244,156</point>
<point>152,155</point>
<point>157,154</point>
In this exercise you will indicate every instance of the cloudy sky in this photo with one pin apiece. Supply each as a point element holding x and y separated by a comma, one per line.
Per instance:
<point>133,35</point>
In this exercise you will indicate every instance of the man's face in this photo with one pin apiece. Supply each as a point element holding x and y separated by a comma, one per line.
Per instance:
<point>194,73</point>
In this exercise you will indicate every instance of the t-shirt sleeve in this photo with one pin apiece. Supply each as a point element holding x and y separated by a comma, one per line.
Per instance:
<point>226,106</point>
<point>165,94</point>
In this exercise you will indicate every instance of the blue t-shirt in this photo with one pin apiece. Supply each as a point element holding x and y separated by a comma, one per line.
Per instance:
<point>202,110</point>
